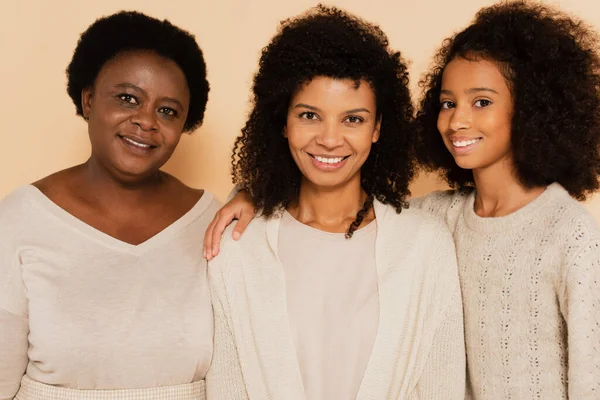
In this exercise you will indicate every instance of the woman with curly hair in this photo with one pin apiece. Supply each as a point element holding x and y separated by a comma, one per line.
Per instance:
<point>511,117</point>
<point>336,290</point>
<point>103,290</point>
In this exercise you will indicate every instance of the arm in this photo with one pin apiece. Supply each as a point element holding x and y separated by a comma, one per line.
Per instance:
<point>14,326</point>
<point>238,207</point>
<point>13,353</point>
<point>444,374</point>
<point>224,379</point>
<point>580,305</point>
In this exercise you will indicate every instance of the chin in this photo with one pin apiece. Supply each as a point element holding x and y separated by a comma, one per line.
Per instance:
<point>466,163</point>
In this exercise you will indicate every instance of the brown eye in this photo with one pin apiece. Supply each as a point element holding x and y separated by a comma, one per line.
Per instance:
<point>167,111</point>
<point>311,116</point>
<point>127,98</point>
<point>353,119</point>
<point>482,103</point>
<point>447,104</point>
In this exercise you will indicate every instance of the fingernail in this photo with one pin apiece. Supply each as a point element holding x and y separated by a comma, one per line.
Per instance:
<point>236,235</point>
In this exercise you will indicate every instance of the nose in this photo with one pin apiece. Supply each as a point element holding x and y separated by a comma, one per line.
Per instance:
<point>460,118</point>
<point>145,118</point>
<point>330,136</point>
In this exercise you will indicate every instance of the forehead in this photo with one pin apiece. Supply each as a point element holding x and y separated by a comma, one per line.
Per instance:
<point>144,69</point>
<point>465,74</point>
<point>325,92</point>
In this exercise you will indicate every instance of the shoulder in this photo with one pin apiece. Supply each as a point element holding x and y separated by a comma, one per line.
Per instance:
<point>440,201</point>
<point>567,220</point>
<point>446,204</point>
<point>251,244</point>
<point>417,229</point>
<point>17,206</point>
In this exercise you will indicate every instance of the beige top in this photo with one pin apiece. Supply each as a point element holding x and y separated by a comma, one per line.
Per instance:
<point>332,302</point>
<point>531,294</point>
<point>82,310</point>
<point>418,351</point>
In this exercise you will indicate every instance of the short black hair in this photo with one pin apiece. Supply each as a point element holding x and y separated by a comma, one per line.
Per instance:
<point>126,31</point>
<point>551,63</point>
<point>328,42</point>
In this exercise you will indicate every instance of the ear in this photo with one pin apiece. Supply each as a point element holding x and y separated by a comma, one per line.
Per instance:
<point>86,102</point>
<point>285,135</point>
<point>377,130</point>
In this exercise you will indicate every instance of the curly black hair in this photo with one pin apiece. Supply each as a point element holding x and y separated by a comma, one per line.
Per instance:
<point>325,41</point>
<point>551,64</point>
<point>126,31</point>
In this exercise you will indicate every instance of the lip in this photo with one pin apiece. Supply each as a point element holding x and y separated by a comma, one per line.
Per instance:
<point>464,149</point>
<point>126,141</point>
<point>327,167</point>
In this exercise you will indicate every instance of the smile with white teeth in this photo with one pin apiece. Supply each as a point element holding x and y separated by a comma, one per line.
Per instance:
<point>464,143</point>
<point>329,160</point>
<point>138,144</point>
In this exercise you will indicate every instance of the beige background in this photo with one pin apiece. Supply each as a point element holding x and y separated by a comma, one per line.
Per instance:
<point>41,134</point>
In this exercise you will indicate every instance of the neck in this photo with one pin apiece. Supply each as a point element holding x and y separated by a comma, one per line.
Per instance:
<point>330,209</point>
<point>100,187</point>
<point>500,192</point>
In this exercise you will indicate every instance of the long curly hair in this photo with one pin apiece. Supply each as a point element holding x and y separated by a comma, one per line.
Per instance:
<point>325,41</point>
<point>551,63</point>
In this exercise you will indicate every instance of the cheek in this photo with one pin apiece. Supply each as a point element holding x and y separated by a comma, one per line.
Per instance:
<point>298,138</point>
<point>441,122</point>
<point>173,136</point>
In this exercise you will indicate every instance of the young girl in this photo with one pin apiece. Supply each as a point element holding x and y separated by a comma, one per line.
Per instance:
<point>511,116</point>
<point>336,291</point>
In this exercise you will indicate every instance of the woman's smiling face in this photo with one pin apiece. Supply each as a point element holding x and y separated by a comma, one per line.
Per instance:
<point>136,112</point>
<point>331,126</point>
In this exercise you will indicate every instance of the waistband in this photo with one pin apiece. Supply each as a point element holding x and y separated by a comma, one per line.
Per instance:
<point>33,390</point>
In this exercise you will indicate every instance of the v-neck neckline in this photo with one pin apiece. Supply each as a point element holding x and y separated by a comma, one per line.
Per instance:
<point>44,202</point>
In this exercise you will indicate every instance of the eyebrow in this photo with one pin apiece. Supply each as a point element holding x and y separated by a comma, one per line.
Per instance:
<point>354,110</point>
<point>138,89</point>
<point>471,91</point>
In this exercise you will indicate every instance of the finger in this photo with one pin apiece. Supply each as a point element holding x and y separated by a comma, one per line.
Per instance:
<point>241,225</point>
<point>208,238</point>
<point>217,232</point>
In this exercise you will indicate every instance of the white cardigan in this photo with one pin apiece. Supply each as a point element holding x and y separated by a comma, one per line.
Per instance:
<point>419,348</point>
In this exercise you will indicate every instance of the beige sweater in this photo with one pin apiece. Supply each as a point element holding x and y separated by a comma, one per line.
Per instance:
<point>419,347</point>
<point>531,296</point>
<point>82,310</point>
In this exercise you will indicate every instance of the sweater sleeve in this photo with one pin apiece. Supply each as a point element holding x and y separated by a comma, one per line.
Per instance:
<point>224,379</point>
<point>581,310</point>
<point>13,352</point>
<point>443,375</point>
<point>14,323</point>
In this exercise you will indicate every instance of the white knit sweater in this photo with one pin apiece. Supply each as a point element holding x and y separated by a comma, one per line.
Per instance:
<point>419,347</point>
<point>531,296</point>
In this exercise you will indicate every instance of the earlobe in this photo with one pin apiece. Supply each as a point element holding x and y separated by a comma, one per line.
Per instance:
<point>86,102</point>
<point>285,132</point>
<point>377,131</point>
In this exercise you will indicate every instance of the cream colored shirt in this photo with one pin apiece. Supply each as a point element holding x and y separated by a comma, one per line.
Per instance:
<point>332,301</point>
<point>83,310</point>
<point>531,295</point>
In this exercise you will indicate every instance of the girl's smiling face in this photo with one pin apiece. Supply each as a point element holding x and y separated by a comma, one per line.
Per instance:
<point>475,118</point>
